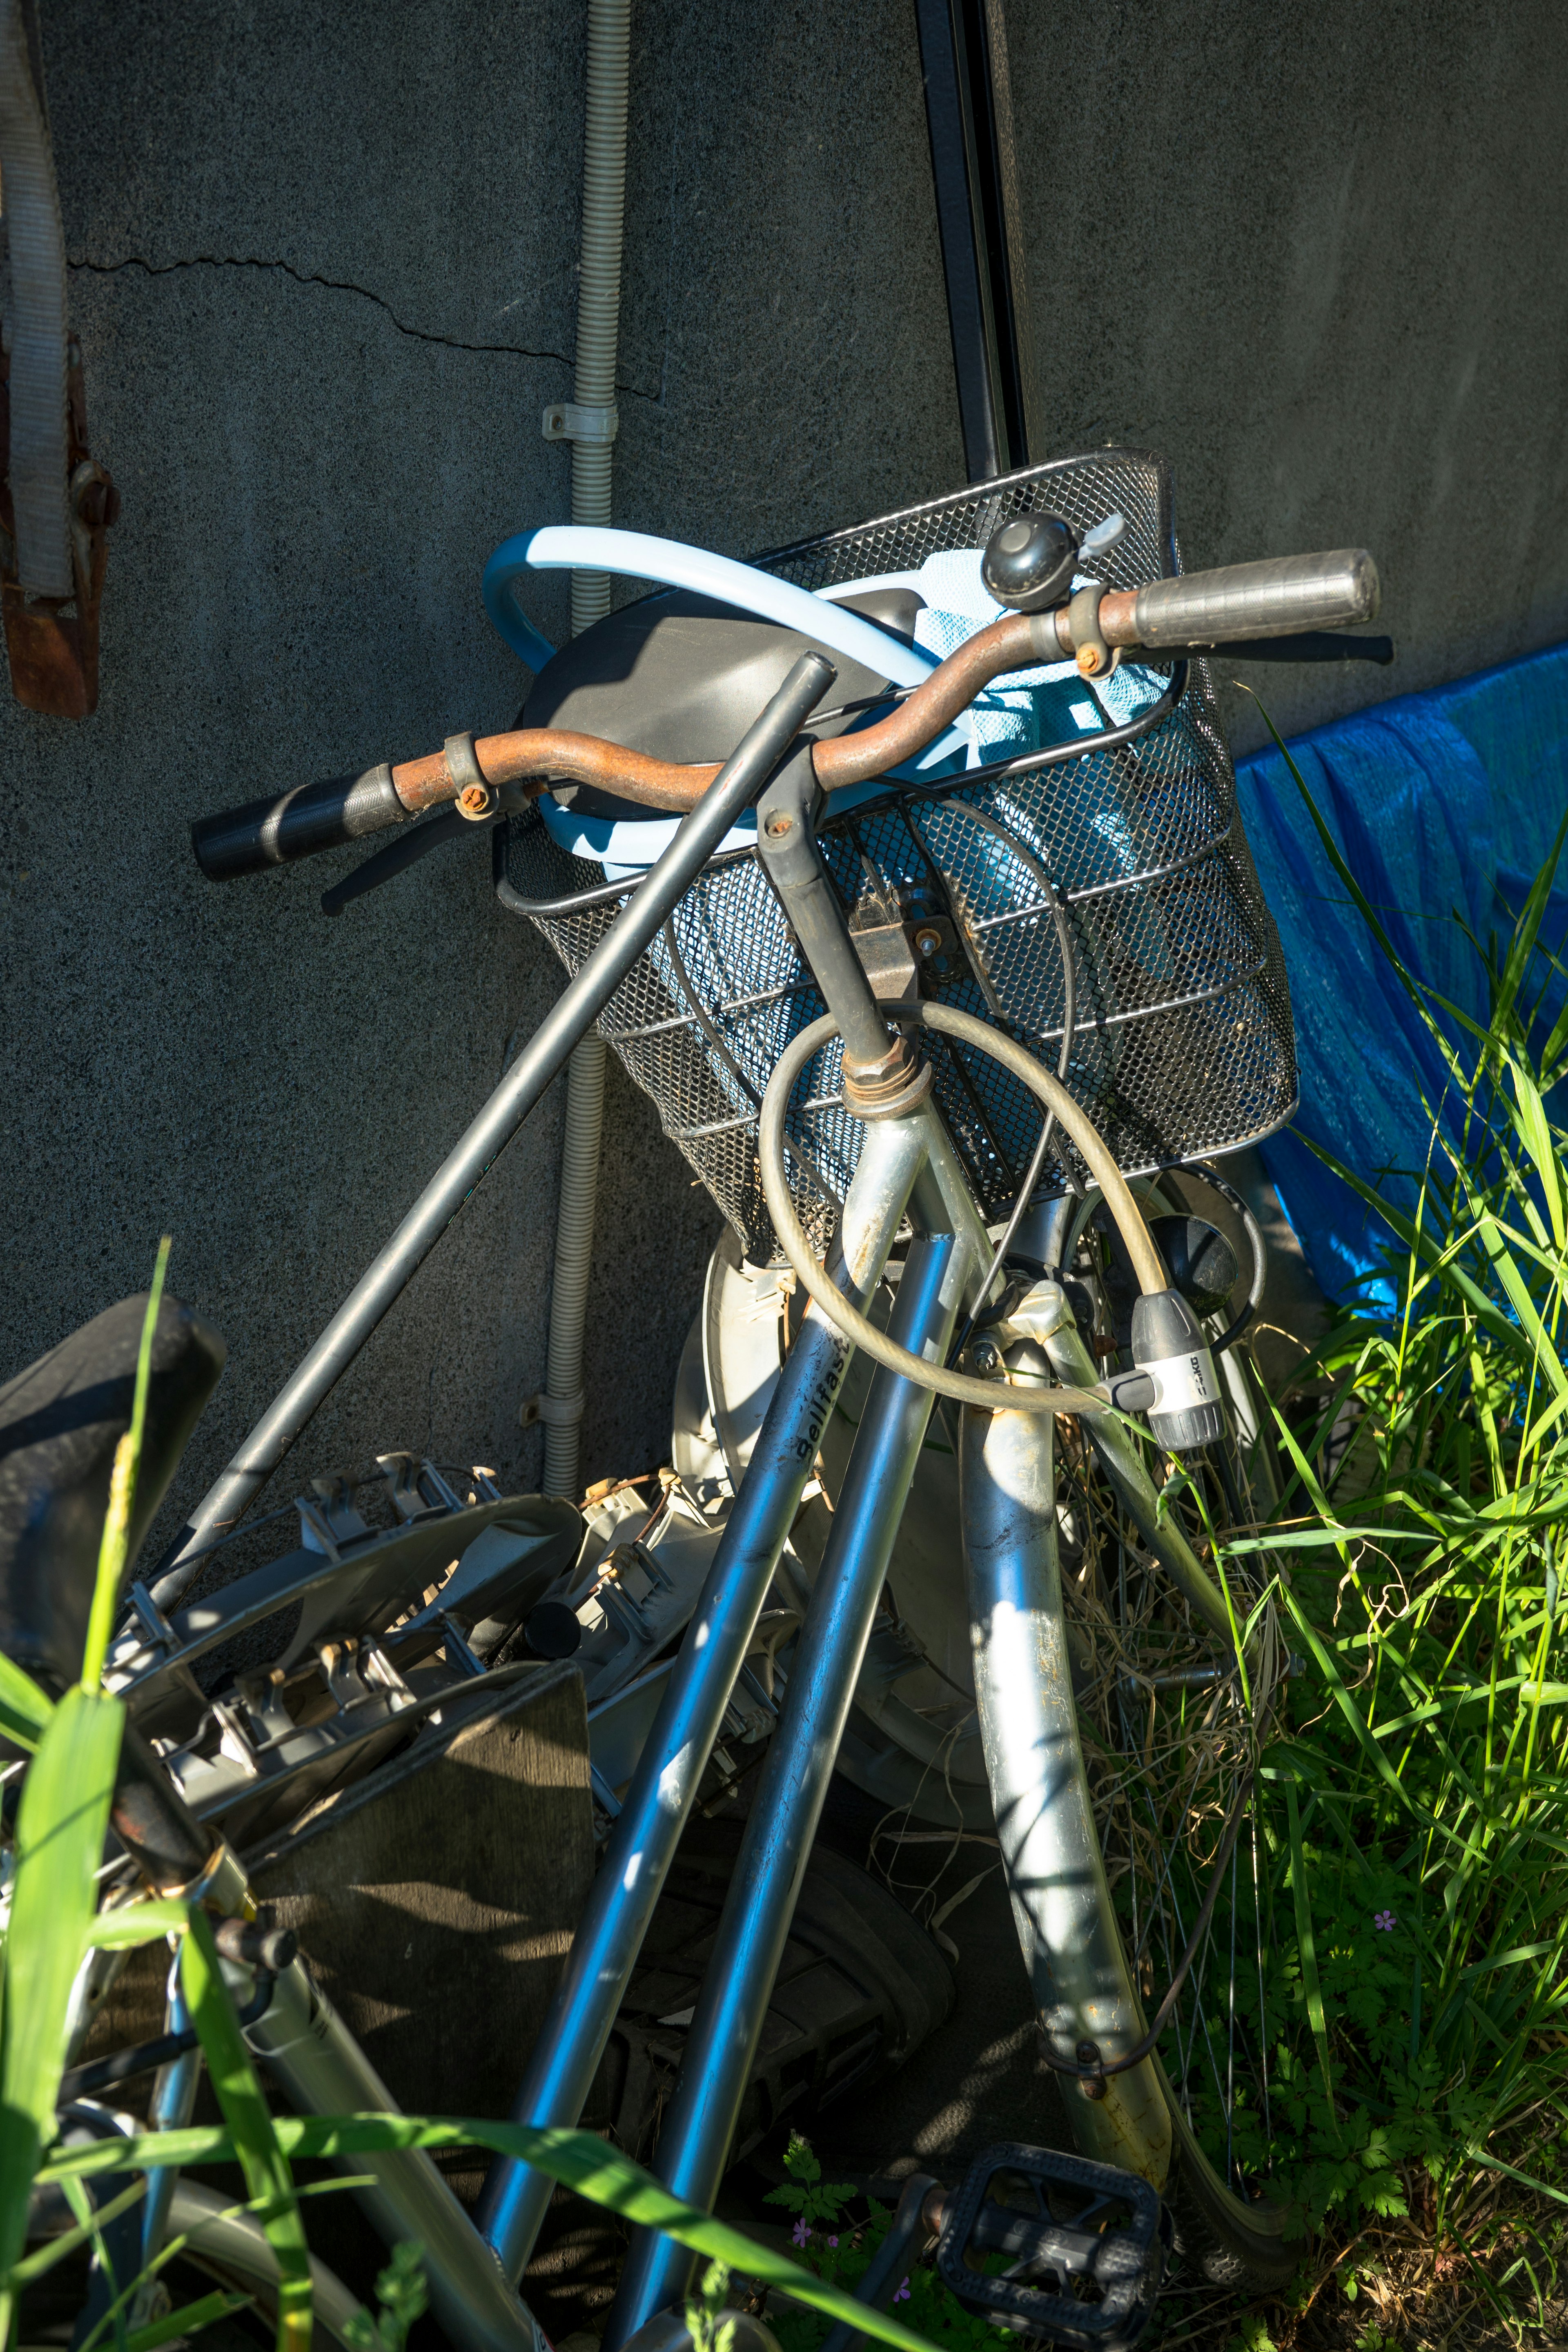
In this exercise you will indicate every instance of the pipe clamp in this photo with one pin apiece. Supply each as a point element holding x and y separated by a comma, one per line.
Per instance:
<point>1094,655</point>
<point>476,796</point>
<point>556,1412</point>
<point>573,420</point>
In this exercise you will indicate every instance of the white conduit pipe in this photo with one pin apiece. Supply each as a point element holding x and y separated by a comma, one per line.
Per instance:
<point>38,247</point>
<point>598,322</point>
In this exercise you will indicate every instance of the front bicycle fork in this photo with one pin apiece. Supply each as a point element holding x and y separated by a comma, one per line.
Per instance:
<point>1088,2011</point>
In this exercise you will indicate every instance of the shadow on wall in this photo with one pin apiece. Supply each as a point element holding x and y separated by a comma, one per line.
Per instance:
<point>1324,270</point>
<point>316,369</point>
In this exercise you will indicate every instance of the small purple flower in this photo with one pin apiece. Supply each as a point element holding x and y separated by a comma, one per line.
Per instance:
<point>1384,1919</point>
<point>802,2232</point>
<point>903,2293</point>
<point>833,2242</point>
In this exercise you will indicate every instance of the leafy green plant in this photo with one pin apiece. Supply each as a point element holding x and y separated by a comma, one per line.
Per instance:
<point>709,2332</point>
<point>403,2297</point>
<point>1415,1812</point>
<point>841,2251</point>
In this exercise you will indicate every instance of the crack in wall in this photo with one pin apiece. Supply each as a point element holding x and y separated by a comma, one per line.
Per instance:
<point>335,286</point>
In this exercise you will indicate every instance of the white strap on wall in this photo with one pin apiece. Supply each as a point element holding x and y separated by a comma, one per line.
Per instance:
<point>37,323</point>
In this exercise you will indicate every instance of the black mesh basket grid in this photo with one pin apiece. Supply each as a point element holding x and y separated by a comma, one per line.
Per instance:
<point>1183,1041</point>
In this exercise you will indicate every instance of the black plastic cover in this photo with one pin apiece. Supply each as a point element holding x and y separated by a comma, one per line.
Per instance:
<point>552,1631</point>
<point>680,677</point>
<point>1202,1262</point>
<point>60,1422</point>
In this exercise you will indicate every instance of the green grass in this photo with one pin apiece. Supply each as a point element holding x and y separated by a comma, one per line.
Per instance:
<point>1421,1551</point>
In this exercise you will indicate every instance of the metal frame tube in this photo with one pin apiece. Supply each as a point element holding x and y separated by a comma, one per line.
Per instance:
<point>658,1802</point>
<point>170,2108</point>
<point>734,788</point>
<point>324,2072</point>
<point>1028,1722</point>
<point>722,2041</point>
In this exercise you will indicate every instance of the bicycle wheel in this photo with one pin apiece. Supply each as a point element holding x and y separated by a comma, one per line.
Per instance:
<point>1171,1730</point>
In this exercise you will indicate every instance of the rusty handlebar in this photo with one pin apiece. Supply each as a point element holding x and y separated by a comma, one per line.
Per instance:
<point>1280,598</point>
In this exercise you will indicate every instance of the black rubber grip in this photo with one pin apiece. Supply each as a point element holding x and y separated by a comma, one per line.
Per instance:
<point>312,817</point>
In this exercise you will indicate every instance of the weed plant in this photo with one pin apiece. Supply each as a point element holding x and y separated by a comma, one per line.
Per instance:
<point>1416,1807</point>
<point>840,2249</point>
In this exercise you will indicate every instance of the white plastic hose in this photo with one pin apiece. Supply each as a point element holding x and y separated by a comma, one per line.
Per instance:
<point>638,555</point>
<point>37,241</point>
<point>598,323</point>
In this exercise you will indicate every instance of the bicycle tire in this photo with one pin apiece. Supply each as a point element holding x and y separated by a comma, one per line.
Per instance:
<point>1250,2252</point>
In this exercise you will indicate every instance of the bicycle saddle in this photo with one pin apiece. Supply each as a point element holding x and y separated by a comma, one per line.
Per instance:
<point>60,1422</point>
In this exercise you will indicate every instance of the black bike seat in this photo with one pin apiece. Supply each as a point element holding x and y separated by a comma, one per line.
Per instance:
<point>60,1422</point>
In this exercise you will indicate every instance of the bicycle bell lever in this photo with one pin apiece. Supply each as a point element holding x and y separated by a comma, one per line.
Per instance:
<point>884,1074</point>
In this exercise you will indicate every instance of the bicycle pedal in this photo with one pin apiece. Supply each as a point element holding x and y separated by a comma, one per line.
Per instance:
<point>1074,2251</point>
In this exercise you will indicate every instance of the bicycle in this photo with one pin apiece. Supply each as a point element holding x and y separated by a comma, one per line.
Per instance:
<point>968,1291</point>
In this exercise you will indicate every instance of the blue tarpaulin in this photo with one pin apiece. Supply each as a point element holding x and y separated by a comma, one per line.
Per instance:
<point>1441,803</point>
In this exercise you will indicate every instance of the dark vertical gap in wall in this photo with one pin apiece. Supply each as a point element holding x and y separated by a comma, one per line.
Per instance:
<point>963,61</point>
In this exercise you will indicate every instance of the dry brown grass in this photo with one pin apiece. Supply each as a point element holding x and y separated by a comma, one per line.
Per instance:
<point>1491,2280</point>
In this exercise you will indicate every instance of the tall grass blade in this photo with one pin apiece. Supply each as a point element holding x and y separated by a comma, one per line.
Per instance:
<point>579,2159</point>
<point>1308,1946</point>
<point>115,1541</point>
<point>24,1710</point>
<point>189,2320</point>
<point>1526,933</point>
<point>250,2124</point>
<point>61,1828</point>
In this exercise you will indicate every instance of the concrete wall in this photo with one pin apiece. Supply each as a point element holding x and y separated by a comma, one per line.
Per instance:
<point>1320,256</point>
<point>323,265</point>
<point>324,271</point>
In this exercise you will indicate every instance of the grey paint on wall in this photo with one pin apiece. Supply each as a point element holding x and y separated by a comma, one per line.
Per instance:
<point>1320,256</point>
<point>325,283</point>
<point>325,265</point>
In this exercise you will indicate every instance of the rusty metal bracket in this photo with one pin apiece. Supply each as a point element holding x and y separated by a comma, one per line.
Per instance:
<point>52,641</point>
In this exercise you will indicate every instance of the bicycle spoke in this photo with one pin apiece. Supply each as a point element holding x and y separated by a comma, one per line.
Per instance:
<point>1167,1736</point>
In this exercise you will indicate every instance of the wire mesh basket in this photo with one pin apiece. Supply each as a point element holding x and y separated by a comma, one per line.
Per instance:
<point>1182,1046</point>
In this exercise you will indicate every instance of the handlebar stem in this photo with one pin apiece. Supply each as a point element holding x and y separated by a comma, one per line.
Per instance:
<point>786,843</point>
